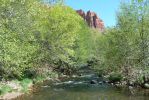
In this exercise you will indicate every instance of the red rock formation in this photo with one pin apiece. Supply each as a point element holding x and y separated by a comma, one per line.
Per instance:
<point>81,13</point>
<point>92,19</point>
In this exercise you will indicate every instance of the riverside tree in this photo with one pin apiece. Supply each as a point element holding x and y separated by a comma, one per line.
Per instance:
<point>35,36</point>
<point>126,45</point>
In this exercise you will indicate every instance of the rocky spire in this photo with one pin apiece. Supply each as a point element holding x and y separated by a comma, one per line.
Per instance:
<point>92,19</point>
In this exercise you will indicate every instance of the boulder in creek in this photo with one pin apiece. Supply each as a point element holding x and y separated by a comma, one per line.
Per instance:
<point>93,82</point>
<point>146,85</point>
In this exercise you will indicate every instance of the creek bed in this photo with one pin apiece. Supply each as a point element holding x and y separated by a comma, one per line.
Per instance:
<point>80,88</point>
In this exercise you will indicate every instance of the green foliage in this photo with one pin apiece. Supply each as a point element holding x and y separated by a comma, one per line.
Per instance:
<point>18,47</point>
<point>25,83</point>
<point>4,89</point>
<point>60,42</point>
<point>37,39</point>
<point>38,79</point>
<point>34,36</point>
<point>125,47</point>
<point>54,2</point>
<point>115,77</point>
<point>140,79</point>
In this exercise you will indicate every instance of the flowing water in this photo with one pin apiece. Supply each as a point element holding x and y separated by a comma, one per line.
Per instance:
<point>80,88</point>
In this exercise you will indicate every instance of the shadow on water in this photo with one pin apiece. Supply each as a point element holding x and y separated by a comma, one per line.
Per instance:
<point>80,88</point>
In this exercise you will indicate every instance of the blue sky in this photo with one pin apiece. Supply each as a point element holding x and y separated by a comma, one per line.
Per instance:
<point>106,9</point>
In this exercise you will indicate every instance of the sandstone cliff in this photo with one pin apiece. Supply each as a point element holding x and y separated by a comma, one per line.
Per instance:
<point>92,19</point>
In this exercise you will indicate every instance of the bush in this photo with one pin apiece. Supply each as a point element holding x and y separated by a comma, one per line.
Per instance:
<point>115,77</point>
<point>4,89</point>
<point>25,83</point>
<point>33,35</point>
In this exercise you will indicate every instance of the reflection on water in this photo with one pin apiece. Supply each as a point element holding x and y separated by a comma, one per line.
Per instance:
<point>81,89</point>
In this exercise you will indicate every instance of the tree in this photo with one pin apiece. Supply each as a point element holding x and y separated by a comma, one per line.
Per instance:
<point>18,45</point>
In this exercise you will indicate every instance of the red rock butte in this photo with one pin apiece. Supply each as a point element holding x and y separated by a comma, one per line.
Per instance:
<point>92,19</point>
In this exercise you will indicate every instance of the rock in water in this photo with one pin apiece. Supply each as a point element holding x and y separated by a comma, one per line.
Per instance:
<point>100,82</point>
<point>146,85</point>
<point>93,82</point>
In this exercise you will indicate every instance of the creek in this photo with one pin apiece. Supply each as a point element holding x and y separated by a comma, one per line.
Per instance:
<point>82,88</point>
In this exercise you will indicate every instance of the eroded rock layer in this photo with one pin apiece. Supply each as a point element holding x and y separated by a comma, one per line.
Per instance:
<point>92,19</point>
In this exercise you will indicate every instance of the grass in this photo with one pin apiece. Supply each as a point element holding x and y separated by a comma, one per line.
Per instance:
<point>38,79</point>
<point>25,83</point>
<point>115,77</point>
<point>4,89</point>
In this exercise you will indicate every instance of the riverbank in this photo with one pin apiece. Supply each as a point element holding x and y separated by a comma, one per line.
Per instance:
<point>80,88</point>
<point>133,79</point>
<point>12,89</point>
<point>15,88</point>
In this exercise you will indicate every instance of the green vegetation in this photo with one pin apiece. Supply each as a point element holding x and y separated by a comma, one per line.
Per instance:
<point>35,38</point>
<point>115,77</point>
<point>39,40</point>
<point>4,89</point>
<point>25,84</point>
<point>124,48</point>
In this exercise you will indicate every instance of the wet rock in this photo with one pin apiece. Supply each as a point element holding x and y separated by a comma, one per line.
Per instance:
<point>130,87</point>
<point>106,81</point>
<point>131,83</point>
<point>123,83</point>
<point>68,82</point>
<point>131,90</point>
<point>146,85</point>
<point>46,86</point>
<point>93,82</point>
<point>100,82</point>
<point>118,84</point>
<point>80,74</point>
<point>74,76</point>
<point>112,83</point>
<point>80,82</point>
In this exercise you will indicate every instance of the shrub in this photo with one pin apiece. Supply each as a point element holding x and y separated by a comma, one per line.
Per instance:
<point>4,89</point>
<point>115,77</point>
